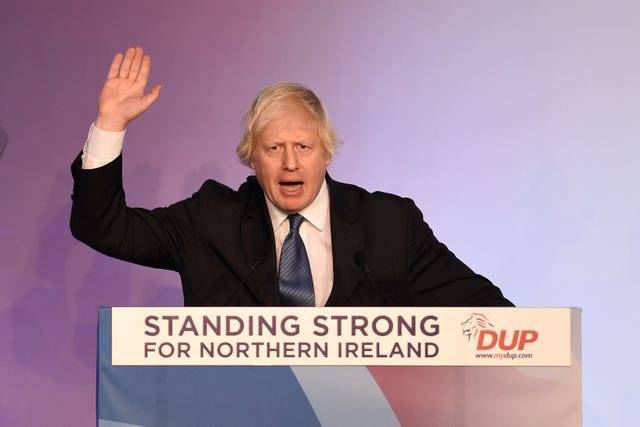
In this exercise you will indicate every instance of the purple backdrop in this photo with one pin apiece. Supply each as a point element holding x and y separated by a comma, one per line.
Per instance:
<point>512,124</point>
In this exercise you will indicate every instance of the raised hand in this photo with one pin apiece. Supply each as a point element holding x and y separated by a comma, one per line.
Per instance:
<point>122,98</point>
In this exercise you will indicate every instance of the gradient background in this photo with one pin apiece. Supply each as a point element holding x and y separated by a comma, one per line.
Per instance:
<point>513,125</point>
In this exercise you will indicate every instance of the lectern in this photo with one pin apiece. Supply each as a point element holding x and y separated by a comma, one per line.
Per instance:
<point>168,366</point>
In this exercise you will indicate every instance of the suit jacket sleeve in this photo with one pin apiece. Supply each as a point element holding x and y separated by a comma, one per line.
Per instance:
<point>386,235</point>
<point>101,219</point>
<point>213,239</point>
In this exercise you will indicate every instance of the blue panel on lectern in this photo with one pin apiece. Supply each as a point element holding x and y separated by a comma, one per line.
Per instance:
<point>197,396</point>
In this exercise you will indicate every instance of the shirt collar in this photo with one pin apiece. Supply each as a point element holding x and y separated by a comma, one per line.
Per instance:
<point>317,213</point>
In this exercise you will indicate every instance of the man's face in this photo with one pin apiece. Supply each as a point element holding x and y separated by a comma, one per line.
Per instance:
<point>290,160</point>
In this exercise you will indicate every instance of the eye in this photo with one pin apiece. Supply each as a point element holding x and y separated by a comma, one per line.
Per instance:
<point>304,147</point>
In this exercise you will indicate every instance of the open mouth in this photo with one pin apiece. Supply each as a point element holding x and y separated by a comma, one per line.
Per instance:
<point>291,186</point>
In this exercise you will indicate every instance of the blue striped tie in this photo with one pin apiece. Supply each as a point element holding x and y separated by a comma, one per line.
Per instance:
<point>296,283</point>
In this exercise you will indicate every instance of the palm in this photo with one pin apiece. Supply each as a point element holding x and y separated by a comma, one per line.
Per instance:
<point>122,98</point>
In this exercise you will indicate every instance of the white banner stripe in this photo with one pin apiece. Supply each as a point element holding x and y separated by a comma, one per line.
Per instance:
<point>345,396</point>
<point>107,423</point>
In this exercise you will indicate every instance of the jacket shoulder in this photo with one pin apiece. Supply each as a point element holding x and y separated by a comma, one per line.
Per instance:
<point>212,189</point>
<point>359,198</point>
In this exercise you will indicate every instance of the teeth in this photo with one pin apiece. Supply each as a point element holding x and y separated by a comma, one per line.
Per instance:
<point>290,186</point>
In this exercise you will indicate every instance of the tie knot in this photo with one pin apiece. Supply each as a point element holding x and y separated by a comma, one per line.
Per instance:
<point>294,221</point>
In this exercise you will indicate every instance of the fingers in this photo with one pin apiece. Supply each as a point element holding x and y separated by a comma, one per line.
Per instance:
<point>145,67</point>
<point>125,66</point>
<point>115,66</point>
<point>132,64</point>
<point>136,62</point>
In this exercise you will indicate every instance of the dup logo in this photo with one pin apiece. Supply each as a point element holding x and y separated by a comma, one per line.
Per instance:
<point>481,330</point>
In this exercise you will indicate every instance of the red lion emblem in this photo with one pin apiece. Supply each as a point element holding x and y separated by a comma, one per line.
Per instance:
<point>474,323</point>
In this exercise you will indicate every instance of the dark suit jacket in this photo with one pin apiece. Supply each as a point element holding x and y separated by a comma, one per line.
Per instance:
<point>221,243</point>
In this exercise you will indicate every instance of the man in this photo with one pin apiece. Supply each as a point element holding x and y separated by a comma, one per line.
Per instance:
<point>290,235</point>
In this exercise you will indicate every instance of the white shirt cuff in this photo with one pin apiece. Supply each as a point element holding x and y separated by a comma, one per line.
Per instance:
<point>101,147</point>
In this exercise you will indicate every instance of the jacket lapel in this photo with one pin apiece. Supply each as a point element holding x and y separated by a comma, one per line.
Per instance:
<point>346,240</point>
<point>259,247</point>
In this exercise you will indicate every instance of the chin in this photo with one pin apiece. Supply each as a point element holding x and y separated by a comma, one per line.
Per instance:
<point>291,207</point>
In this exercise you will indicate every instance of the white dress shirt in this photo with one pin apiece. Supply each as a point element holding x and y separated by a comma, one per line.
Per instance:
<point>315,232</point>
<point>103,147</point>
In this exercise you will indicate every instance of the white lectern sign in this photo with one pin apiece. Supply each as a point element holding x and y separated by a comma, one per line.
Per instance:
<point>423,336</point>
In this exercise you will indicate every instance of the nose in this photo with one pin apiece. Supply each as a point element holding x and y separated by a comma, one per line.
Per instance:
<point>290,159</point>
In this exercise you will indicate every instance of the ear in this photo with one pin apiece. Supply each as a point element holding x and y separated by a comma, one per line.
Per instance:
<point>328,158</point>
<point>252,164</point>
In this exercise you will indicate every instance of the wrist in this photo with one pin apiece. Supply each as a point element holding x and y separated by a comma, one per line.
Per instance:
<point>110,124</point>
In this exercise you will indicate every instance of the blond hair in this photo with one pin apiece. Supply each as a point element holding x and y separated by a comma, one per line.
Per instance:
<point>274,100</point>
